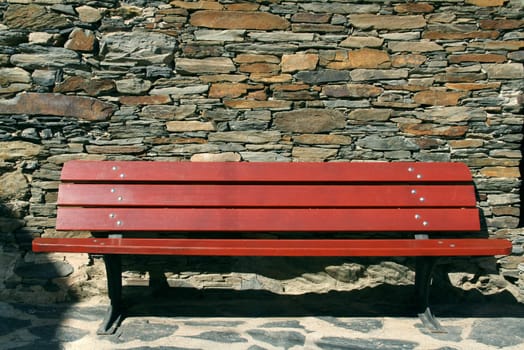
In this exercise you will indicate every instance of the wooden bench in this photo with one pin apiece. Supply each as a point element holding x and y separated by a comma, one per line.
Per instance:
<point>422,210</point>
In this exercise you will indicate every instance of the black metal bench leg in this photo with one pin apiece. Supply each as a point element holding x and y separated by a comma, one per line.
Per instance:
<point>114,313</point>
<point>423,274</point>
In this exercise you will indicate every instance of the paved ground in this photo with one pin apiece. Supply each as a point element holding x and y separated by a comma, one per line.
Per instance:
<point>258,320</point>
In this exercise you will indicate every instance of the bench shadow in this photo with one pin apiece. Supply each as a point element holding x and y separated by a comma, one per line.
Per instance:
<point>381,301</point>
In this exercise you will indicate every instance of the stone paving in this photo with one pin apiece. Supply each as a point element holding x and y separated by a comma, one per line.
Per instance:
<point>244,323</point>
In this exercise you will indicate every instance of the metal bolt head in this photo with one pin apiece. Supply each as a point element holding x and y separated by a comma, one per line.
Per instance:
<point>413,191</point>
<point>422,199</point>
<point>417,216</point>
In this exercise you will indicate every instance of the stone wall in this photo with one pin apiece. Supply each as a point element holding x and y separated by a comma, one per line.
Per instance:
<point>346,80</point>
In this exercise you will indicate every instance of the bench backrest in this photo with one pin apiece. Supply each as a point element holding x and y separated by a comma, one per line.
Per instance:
<point>266,197</point>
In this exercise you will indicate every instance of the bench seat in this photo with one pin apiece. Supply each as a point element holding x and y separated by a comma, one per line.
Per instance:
<point>342,209</point>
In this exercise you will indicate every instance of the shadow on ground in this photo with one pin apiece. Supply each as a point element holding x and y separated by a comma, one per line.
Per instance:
<point>384,300</point>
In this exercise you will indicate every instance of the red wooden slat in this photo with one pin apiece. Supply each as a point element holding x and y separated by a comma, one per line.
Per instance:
<point>261,247</point>
<point>266,195</point>
<point>263,220</point>
<point>253,172</point>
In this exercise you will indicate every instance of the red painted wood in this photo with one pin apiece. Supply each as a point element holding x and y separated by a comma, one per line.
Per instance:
<point>256,172</point>
<point>266,195</point>
<point>269,219</point>
<point>263,247</point>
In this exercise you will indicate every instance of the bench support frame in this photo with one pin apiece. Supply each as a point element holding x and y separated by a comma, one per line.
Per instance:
<point>115,312</point>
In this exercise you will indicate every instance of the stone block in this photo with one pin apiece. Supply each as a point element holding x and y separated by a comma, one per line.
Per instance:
<point>190,125</point>
<point>309,120</point>
<point>238,20</point>
<point>212,65</point>
<point>85,108</point>
<point>362,41</point>
<point>299,62</point>
<point>504,71</point>
<point>387,21</point>
<point>438,98</point>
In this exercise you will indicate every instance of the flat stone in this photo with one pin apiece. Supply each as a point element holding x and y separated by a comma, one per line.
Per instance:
<point>322,76</point>
<point>36,57</point>
<point>485,58</point>
<point>436,35</point>
<point>281,36</point>
<point>438,98</point>
<point>143,48</point>
<point>14,75</point>
<point>379,143</point>
<point>88,14</point>
<point>238,20</point>
<point>368,58</point>
<point>511,45</point>
<point>339,8</point>
<point>220,35</point>
<point>168,112</point>
<point>372,114</point>
<point>362,41</point>
<point>414,8</point>
<point>81,40</point>
<point>414,46</point>
<point>378,74</point>
<point>319,139</point>
<point>145,100</point>
<point>313,154</point>
<point>253,104</point>
<point>245,136</point>
<point>306,17</point>
<point>264,157</point>
<point>85,108</point>
<point>299,62</point>
<point>216,157</point>
<point>133,86</point>
<point>309,120</point>
<point>14,150</point>
<point>517,56</point>
<point>33,17</point>
<point>387,21</point>
<point>181,92</point>
<point>259,68</point>
<point>486,332</point>
<point>190,125</point>
<point>434,130</point>
<point>143,330</point>
<point>14,186</point>
<point>499,24</point>
<point>279,339</point>
<point>486,3</point>
<point>502,172</point>
<point>93,87</point>
<point>231,90</point>
<point>473,86</point>
<point>408,60</point>
<point>13,37</point>
<point>352,90</point>
<point>212,65</point>
<point>254,58</point>
<point>317,28</point>
<point>504,71</point>
<point>115,149</point>
<point>223,337</point>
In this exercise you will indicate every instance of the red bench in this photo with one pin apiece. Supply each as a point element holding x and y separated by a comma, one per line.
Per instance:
<point>423,210</point>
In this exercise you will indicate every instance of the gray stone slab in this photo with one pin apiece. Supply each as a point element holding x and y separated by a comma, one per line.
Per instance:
<point>502,333</point>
